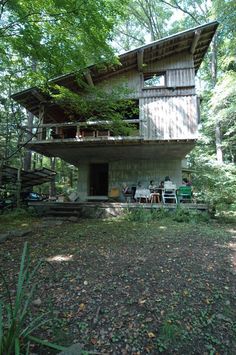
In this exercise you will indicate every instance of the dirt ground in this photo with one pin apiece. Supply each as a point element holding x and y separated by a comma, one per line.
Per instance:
<point>121,287</point>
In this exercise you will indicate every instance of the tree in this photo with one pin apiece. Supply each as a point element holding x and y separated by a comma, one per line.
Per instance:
<point>59,36</point>
<point>146,20</point>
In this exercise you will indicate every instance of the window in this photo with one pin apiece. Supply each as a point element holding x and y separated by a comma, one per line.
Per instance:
<point>154,80</point>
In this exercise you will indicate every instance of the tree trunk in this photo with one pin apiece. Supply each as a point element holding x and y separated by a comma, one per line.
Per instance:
<point>30,118</point>
<point>52,190</point>
<point>28,153</point>
<point>218,140</point>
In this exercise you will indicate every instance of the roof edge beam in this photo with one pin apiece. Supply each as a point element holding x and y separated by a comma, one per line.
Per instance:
<point>140,60</point>
<point>196,38</point>
<point>38,96</point>
<point>88,77</point>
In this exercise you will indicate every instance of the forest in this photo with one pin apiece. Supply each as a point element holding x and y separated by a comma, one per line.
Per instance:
<point>43,39</point>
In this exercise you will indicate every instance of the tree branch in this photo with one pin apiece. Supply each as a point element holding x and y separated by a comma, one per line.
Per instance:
<point>178,7</point>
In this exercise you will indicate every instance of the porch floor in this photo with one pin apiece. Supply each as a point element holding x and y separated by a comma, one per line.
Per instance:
<point>102,209</point>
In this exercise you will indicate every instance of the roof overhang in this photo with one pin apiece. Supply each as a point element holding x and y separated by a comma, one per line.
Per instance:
<point>194,41</point>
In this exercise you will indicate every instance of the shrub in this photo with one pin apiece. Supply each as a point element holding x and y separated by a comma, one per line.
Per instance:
<point>193,216</point>
<point>138,214</point>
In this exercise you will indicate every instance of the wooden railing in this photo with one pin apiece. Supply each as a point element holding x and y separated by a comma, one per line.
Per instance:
<point>75,130</point>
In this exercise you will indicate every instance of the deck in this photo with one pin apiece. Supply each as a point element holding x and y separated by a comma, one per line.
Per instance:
<point>102,209</point>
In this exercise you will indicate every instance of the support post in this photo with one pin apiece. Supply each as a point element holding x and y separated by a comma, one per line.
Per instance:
<point>195,41</point>
<point>41,120</point>
<point>140,60</point>
<point>88,77</point>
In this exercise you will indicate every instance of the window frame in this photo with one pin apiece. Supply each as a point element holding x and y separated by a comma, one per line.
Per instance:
<point>152,74</point>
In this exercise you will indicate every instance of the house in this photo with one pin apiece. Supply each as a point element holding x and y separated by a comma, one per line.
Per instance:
<point>161,77</point>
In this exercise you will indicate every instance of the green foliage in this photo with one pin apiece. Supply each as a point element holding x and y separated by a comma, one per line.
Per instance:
<point>216,183</point>
<point>16,322</point>
<point>192,216</point>
<point>169,334</point>
<point>95,104</point>
<point>60,35</point>
<point>223,103</point>
<point>140,214</point>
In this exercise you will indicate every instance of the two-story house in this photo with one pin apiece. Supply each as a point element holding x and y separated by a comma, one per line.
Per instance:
<point>161,77</point>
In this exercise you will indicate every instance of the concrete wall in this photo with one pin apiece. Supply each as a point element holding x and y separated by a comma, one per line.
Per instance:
<point>131,172</point>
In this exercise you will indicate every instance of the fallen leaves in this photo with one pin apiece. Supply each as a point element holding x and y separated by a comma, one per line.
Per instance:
<point>134,292</point>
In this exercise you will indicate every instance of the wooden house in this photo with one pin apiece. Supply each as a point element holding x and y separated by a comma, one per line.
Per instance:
<point>161,76</point>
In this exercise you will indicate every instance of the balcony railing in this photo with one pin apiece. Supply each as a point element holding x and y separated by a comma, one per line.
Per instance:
<point>75,131</point>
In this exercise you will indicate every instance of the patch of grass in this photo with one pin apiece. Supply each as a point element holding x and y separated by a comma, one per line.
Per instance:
<point>18,218</point>
<point>16,323</point>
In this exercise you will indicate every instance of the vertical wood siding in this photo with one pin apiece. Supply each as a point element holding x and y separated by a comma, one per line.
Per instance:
<point>177,61</point>
<point>169,117</point>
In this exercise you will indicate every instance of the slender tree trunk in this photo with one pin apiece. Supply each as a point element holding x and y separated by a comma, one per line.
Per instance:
<point>18,184</point>
<point>30,117</point>
<point>28,153</point>
<point>218,140</point>
<point>52,191</point>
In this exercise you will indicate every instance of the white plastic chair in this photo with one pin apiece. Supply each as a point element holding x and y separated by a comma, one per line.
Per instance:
<point>169,192</point>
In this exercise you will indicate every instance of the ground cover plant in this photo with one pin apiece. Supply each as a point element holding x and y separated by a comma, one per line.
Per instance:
<point>132,287</point>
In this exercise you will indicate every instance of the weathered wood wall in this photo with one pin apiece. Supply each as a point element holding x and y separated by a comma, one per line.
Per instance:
<point>168,117</point>
<point>165,113</point>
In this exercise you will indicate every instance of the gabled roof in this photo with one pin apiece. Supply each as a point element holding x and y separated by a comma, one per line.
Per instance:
<point>195,40</point>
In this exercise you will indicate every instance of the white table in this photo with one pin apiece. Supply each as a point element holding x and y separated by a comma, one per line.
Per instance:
<point>142,193</point>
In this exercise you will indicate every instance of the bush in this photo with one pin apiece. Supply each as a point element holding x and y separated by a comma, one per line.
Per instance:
<point>193,216</point>
<point>140,214</point>
<point>216,183</point>
<point>18,214</point>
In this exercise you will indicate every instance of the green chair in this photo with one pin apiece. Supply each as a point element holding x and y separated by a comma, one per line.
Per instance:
<point>185,194</point>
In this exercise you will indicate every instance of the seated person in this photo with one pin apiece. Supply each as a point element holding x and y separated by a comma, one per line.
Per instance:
<point>126,190</point>
<point>154,194</point>
<point>160,187</point>
<point>151,186</point>
<point>167,178</point>
<point>54,135</point>
<point>186,182</point>
<point>139,185</point>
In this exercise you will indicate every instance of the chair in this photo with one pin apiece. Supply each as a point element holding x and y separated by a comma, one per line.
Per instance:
<point>155,197</point>
<point>169,192</point>
<point>185,194</point>
<point>114,193</point>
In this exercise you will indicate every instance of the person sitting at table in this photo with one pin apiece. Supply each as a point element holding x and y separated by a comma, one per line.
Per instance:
<point>139,185</point>
<point>54,135</point>
<point>127,192</point>
<point>160,188</point>
<point>154,194</point>
<point>151,186</point>
<point>126,189</point>
<point>186,182</point>
<point>167,178</point>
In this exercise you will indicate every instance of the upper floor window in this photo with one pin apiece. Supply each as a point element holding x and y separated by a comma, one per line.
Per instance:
<point>154,79</point>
